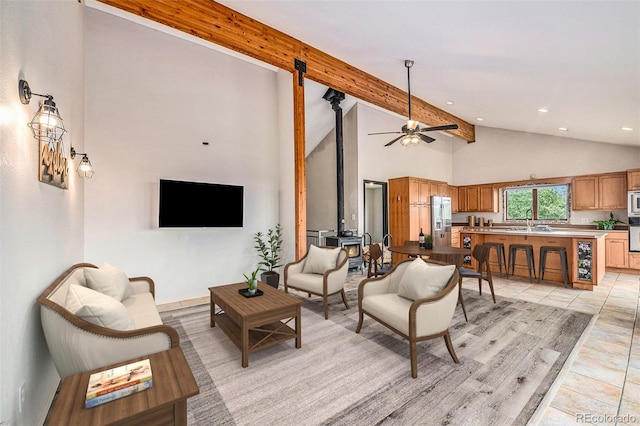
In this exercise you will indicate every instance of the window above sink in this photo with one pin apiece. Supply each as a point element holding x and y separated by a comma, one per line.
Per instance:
<point>547,203</point>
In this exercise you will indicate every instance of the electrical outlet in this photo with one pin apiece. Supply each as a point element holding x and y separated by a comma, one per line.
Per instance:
<point>21,397</point>
<point>584,220</point>
<point>353,216</point>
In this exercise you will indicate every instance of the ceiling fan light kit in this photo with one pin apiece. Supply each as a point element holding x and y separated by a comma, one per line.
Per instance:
<point>411,133</point>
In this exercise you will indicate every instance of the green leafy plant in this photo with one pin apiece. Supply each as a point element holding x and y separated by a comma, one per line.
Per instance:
<point>428,241</point>
<point>269,248</point>
<point>607,224</point>
<point>251,279</point>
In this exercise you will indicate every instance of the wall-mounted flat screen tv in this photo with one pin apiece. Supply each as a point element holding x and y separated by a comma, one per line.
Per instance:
<point>200,205</point>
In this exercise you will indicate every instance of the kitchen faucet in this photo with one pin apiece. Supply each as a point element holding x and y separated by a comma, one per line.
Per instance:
<point>529,217</point>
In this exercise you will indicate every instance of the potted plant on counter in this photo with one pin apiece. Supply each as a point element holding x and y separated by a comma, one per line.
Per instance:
<point>607,224</point>
<point>269,248</point>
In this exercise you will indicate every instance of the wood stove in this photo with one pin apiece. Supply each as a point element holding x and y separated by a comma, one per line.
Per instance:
<point>352,244</point>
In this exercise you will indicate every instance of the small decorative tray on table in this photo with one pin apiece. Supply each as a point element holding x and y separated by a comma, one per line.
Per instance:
<point>245,292</point>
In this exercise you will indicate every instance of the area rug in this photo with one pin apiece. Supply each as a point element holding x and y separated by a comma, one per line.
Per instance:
<point>510,354</point>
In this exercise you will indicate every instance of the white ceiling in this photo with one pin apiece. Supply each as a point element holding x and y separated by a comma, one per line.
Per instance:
<point>499,60</point>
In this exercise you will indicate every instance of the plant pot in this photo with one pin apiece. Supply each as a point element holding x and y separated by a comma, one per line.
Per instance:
<point>270,277</point>
<point>253,288</point>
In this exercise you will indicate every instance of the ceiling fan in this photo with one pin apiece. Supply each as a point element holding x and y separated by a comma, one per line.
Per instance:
<point>411,133</point>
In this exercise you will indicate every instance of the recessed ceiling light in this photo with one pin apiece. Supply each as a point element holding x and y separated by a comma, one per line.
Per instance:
<point>628,129</point>
<point>449,103</point>
<point>543,110</point>
<point>564,129</point>
<point>479,118</point>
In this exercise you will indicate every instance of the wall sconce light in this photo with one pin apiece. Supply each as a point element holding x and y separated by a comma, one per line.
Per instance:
<point>85,169</point>
<point>46,124</point>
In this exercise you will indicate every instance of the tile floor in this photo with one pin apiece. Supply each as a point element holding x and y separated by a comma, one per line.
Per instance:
<point>601,382</point>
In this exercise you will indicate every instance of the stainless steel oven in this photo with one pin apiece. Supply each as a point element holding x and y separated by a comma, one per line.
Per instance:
<point>633,206</point>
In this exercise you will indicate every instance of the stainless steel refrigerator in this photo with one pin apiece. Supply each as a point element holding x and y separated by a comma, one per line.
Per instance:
<point>441,221</point>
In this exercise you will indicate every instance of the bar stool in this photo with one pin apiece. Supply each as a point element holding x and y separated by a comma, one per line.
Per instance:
<point>500,254</point>
<point>513,251</point>
<point>562,252</point>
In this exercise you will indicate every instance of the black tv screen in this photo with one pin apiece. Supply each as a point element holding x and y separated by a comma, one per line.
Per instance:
<point>196,205</point>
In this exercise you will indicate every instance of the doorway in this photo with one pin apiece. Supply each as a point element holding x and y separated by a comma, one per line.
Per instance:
<point>376,221</point>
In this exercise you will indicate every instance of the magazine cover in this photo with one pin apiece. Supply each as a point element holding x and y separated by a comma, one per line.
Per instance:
<point>118,378</point>
<point>118,394</point>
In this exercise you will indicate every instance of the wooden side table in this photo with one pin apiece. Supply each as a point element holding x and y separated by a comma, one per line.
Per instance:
<point>164,403</point>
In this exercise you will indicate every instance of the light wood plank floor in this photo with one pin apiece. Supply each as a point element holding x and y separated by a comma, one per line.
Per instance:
<point>602,383</point>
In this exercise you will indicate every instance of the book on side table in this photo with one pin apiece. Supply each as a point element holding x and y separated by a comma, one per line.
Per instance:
<point>118,382</point>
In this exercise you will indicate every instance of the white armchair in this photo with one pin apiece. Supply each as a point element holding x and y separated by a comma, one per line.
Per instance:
<point>322,271</point>
<point>416,299</point>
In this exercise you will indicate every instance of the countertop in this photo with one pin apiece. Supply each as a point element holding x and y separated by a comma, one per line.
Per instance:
<point>520,230</point>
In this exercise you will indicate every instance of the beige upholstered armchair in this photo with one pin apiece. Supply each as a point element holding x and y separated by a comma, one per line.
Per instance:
<point>322,271</point>
<point>416,299</point>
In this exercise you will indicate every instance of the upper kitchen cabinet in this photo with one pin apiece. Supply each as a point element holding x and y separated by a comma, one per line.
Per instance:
<point>419,190</point>
<point>600,192</point>
<point>439,188</point>
<point>477,198</point>
<point>453,193</point>
<point>633,180</point>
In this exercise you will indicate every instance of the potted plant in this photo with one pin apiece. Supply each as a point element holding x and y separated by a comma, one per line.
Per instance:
<point>252,281</point>
<point>428,241</point>
<point>269,248</point>
<point>607,224</point>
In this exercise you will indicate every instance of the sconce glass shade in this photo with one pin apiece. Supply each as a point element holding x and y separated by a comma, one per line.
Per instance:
<point>47,124</point>
<point>410,140</point>
<point>85,169</point>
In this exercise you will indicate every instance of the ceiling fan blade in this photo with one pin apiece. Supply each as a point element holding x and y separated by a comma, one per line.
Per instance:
<point>385,133</point>
<point>434,128</point>
<point>427,139</point>
<point>394,141</point>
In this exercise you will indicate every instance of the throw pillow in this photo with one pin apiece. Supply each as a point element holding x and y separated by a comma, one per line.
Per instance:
<point>108,280</point>
<point>421,280</point>
<point>320,260</point>
<point>98,308</point>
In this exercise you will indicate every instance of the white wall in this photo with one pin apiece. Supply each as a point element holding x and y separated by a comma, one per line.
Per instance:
<point>40,225</point>
<point>505,155</point>
<point>500,155</point>
<point>321,174</point>
<point>151,100</point>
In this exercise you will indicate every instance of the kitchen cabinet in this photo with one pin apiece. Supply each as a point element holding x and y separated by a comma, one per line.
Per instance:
<point>488,199</point>
<point>634,260</point>
<point>616,249</point>
<point>633,180</point>
<point>600,192</point>
<point>455,236</point>
<point>419,191</point>
<point>439,188</point>
<point>462,199</point>
<point>478,198</point>
<point>419,219</point>
<point>453,193</point>
<point>409,209</point>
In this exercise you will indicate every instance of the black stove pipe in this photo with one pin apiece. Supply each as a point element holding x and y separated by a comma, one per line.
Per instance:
<point>335,97</point>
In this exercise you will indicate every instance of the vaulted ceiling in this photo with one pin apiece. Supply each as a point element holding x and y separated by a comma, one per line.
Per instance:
<point>496,60</point>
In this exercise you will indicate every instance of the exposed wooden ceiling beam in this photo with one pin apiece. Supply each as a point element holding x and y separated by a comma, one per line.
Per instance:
<point>221,25</point>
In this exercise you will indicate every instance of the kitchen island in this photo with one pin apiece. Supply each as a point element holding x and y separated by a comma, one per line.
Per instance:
<point>585,251</point>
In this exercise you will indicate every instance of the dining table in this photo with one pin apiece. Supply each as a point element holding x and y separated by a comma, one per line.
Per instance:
<point>451,255</point>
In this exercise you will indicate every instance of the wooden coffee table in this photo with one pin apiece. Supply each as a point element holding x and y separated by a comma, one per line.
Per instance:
<point>163,403</point>
<point>254,323</point>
